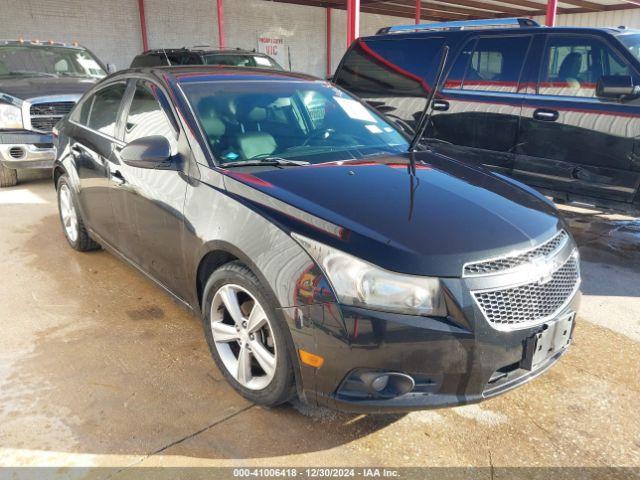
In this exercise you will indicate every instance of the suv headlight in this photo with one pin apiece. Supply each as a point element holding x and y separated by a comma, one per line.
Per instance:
<point>10,116</point>
<point>362,284</point>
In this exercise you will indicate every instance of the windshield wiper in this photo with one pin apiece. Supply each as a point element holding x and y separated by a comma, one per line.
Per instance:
<point>275,161</point>
<point>28,72</point>
<point>74,75</point>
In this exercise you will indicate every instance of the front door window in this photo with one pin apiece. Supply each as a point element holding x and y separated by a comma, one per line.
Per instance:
<point>574,64</point>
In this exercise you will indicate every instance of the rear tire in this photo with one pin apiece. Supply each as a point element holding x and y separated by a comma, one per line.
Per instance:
<point>72,225</point>
<point>253,333</point>
<point>8,176</point>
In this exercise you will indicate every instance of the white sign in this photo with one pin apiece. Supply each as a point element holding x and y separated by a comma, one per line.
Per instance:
<point>275,48</point>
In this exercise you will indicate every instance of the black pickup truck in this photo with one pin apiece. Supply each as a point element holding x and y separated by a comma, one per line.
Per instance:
<point>39,84</point>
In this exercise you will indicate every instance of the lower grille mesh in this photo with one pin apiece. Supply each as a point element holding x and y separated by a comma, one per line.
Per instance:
<point>534,302</point>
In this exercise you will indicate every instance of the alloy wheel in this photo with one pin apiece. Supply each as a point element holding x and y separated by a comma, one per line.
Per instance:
<point>68,213</point>
<point>243,337</point>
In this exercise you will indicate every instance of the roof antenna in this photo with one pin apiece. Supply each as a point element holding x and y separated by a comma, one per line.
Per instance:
<point>166,56</point>
<point>425,119</point>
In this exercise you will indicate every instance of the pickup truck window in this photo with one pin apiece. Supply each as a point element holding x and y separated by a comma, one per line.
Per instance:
<point>632,43</point>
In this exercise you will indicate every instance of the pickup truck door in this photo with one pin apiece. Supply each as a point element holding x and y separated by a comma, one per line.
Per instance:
<point>570,141</point>
<point>476,115</point>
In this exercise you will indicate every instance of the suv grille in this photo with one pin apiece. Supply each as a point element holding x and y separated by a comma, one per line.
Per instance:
<point>45,115</point>
<point>499,265</point>
<point>517,307</point>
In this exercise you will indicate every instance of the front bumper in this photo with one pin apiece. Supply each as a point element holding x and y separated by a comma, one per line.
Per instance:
<point>454,361</point>
<point>26,150</point>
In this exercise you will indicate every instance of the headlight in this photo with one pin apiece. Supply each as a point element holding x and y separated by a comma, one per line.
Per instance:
<point>10,116</point>
<point>363,284</point>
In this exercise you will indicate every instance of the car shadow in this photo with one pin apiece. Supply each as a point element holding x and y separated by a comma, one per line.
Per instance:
<point>113,366</point>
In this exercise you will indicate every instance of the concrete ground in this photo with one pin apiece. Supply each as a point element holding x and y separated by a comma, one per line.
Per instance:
<point>98,367</point>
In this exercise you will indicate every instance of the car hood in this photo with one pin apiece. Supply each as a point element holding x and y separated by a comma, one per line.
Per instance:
<point>428,223</point>
<point>25,88</point>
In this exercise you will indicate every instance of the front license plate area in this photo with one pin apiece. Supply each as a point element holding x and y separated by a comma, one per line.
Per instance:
<point>553,337</point>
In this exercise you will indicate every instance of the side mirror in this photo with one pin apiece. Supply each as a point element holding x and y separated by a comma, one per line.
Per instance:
<point>616,86</point>
<point>111,68</point>
<point>148,152</point>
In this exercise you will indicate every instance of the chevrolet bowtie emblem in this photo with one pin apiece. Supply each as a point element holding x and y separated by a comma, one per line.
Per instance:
<point>544,269</point>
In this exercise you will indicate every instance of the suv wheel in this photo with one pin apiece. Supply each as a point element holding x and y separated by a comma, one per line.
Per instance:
<point>247,340</point>
<point>8,176</point>
<point>72,224</point>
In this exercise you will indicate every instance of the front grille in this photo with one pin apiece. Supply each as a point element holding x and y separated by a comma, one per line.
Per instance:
<point>508,262</point>
<point>517,307</point>
<point>45,115</point>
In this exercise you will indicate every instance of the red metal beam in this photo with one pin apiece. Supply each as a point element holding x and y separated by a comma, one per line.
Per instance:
<point>552,8</point>
<point>143,26</point>
<point>328,41</point>
<point>418,11</point>
<point>353,20</point>
<point>221,41</point>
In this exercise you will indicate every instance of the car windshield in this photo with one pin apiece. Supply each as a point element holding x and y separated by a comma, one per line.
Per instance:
<point>291,120</point>
<point>41,60</point>
<point>632,42</point>
<point>240,60</point>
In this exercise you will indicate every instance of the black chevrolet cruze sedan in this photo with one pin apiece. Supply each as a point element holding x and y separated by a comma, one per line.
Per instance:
<point>325,259</point>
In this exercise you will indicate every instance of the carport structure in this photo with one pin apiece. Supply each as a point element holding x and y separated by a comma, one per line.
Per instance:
<point>449,10</point>
<point>425,10</point>
<point>445,10</point>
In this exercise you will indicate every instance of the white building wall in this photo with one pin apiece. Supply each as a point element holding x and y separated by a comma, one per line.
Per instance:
<point>178,23</point>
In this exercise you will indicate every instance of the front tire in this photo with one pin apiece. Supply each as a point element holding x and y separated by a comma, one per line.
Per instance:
<point>72,225</point>
<point>246,338</point>
<point>8,176</point>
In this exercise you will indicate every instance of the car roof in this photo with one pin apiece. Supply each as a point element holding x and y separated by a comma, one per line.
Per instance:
<point>228,51</point>
<point>217,73</point>
<point>497,31</point>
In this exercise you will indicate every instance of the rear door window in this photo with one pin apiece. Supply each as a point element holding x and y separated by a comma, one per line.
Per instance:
<point>491,64</point>
<point>399,67</point>
<point>100,111</point>
<point>151,60</point>
<point>573,64</point>
<point>393,75</point>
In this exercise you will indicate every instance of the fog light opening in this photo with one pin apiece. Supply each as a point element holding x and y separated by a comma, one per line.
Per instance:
<point>380,383</point>
<point>387,384</point>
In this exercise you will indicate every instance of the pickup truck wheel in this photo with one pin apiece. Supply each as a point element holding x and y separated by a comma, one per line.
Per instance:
<point>72,225</point>
<point>246,337</point>
<point>8,176</point>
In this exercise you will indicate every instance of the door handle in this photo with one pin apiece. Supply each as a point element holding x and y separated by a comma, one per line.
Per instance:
<point>440,105</point>
<point>546,115</point>
<point>117,178</point>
